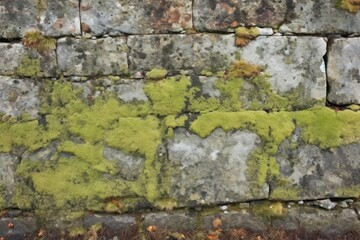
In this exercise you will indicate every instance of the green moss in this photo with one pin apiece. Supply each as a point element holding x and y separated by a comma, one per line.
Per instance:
<point>206,73</point>
<point>166,204</point>
<point>35,39</point>
<point>285,193</point>
<point>156,74</point>
<point>168,96</point>
<point>353,191</point>
<point>270,210</point>
<point>29,67</point>
<point>352,6</point>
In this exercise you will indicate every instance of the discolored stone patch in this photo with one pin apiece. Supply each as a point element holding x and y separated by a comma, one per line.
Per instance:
<point>85,57</point>
<point>344,71</point>
<point>17,59</point>
<point>174,220</point>
<point>8,163</point>
<point>292,63</point>
<point>135,17</point>
<point>212,170</point>
<point>322,16</point>
<point>18,96</point>
<point>309,172</point>
<point>181,52</point>
<point>224,15</point>
<point>52,17</point>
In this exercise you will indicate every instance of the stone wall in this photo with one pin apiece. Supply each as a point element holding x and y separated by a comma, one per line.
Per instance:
<point>179,118</point>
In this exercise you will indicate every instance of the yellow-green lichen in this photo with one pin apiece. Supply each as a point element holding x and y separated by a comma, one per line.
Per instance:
<point>156,74</point>
<point>29,67</point>
<point>352,6</point>
<point>169,95</point>
<point>270,210</point>
<point>285,193</point>
<point>245,35</point>
<point>353,191</point>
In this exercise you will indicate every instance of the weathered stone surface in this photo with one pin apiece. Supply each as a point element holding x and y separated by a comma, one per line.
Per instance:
<point>327,223</point>
<point>292,62</point>
<point>174,220</point>
<point>239,219</point>
<point>222,15</point>
<point>321,16</point>
<point>181,52</point>
<point>130,90</point>
<point>344,71</point>
<point>8,165</point>
<point>53,17</point>
<point>85,57</point>
<point>18,96</point>
<point>23,227</point>
<point>313,173</point>
<point>212,170</point>
<point>129,165</point>
<point>116,223</point>
<point>135,17</point>
<point>20,60</point>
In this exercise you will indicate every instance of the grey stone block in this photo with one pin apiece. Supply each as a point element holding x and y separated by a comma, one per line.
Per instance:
<point>344,71</point>
<point>212,170</point>
<point>101,17</point>
<point>52,17</point>
<point>85,57</point>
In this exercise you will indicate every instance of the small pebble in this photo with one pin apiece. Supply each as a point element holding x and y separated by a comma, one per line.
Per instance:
<point>301,202</point>
<point>223,208</point>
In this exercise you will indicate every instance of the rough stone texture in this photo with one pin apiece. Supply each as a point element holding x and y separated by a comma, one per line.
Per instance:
<point>327,223</point>
<point>130,90</point>
<point>239,219</point>
<point>22,227</point>
<point>317,173</point>
<point>222,15</point>
<point>129,165</point>
<point>181,52</point>
<point>43,154</point>
<point>212,170</point>
<point>174,220</point>
<point>13,56</point>
<point>344,71</point>
<point>53,17</point>
<point>292,62</point>
<point>317,17</point>
<point>8,165</point>
<point>135,17</point>
<point>85,57</point>
<point>116,223</point>
<point>18,96</point>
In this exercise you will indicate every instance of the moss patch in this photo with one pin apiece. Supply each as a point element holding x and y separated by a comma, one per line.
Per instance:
<point>156,74</point>
<point>35,39</point>
<point>270,210</point>
<point>352,6</point>
<point>245,35</point>
<point>168,96</point>
<point>29,67</point>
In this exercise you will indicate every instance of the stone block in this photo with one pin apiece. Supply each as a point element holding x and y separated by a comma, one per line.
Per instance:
<point>52,17</point>
<point>18,96</point>
<point>224,15</point>
<point>344,71</point>
<point>115,223</point>
<point>85,57</point>
<point>181,52</point>
<point>213,170</point>
<point>293,63</point>
<point>101,17</point>
<point>309,172</point>
<point>174,221</point>
<point>244,219</point>
<point>8,165</point>
<point>17,59</point>
<point>327,224</point>
<point>319,17</point>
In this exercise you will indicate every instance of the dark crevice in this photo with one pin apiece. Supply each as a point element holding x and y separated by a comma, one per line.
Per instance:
<point>79,7</point>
